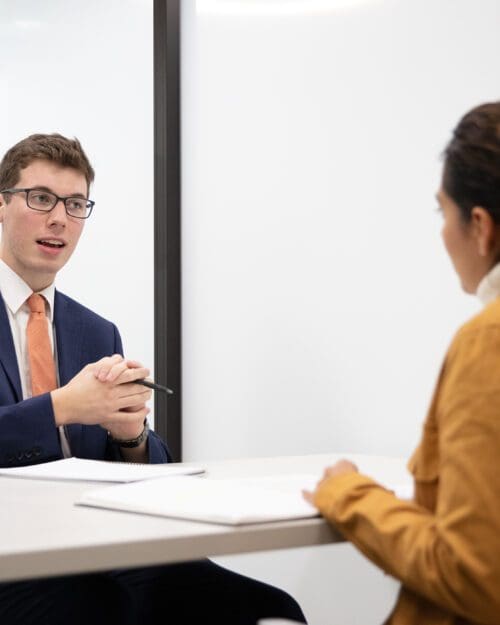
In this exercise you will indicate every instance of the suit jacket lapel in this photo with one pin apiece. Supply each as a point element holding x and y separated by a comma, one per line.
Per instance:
<point>8,353</point>
<point>69,339</point>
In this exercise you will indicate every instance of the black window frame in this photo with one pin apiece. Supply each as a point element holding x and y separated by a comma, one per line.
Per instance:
<point>167,223</point>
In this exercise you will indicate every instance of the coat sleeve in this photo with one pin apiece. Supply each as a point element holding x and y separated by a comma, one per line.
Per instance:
<point>451,556</point>
<point>28,434</point>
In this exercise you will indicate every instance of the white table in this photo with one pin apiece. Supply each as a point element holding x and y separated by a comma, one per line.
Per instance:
<point>43,533</point>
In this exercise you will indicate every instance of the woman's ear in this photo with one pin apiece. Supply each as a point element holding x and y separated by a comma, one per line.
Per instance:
<point>484,230</point>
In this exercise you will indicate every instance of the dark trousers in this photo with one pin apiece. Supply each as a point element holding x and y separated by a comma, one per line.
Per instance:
<point>191,593</point>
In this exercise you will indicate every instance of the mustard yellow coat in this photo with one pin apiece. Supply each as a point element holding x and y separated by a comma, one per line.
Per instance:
<point>445,545</point>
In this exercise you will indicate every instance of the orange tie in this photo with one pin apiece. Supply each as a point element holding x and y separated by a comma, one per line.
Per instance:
<point>42,367</point>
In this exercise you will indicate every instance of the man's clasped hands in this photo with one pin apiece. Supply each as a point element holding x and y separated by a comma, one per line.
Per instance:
<point>104,393</point>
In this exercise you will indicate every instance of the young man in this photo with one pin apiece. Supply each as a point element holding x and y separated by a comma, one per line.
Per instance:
<point>66,390</point>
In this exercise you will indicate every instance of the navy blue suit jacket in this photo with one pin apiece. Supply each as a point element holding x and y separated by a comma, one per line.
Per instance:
<point>28,434</point>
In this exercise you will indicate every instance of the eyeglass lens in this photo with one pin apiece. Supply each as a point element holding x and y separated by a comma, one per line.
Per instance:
<point>45,201</point>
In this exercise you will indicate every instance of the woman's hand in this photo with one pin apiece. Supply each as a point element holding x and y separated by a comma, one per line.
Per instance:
<point>341,467</point>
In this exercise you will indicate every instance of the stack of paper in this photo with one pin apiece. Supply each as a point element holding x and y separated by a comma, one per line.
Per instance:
<point>99,470</point>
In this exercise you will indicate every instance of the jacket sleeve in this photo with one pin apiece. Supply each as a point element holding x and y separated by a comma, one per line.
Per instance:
<point>158,452</point>
<point>451,556</point>
<point>28,434</point>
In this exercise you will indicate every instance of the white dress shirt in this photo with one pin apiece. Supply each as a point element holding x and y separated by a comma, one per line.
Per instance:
<point>15,292</point>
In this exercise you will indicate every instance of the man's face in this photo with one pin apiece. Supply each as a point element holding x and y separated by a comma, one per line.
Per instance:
<point>36,245</point>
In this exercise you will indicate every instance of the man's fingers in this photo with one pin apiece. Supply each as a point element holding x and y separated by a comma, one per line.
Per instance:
<point>125,418</point>
<point>133,399</point>
<point>102,367</point>
<point>133,408</point>
<point>130,375</point>
<point>120,373</point>
<point>134,364</point>
<point>114,372</point>
<point>110,368</point>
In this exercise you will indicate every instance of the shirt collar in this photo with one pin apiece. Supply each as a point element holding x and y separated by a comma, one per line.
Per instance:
<point>489,287</point>
<point>15,291</point>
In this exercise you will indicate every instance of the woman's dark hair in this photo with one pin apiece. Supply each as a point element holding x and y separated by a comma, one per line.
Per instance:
<point>472,162</point>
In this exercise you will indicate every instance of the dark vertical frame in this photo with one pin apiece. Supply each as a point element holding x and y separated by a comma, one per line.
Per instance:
<point>167,222</point>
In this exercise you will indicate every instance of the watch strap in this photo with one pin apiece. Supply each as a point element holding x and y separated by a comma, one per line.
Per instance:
<point>131,442</point>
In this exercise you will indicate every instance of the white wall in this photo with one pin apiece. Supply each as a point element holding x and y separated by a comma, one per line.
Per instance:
<point>318,300</point>
<point>85,69</point>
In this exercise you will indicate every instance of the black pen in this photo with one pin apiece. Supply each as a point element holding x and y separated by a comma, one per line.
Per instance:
<point>154,386</point>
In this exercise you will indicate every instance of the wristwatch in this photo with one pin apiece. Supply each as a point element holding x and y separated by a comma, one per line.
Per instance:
<point>131,442</point>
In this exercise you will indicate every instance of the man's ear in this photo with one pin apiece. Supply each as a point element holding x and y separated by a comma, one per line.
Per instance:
<point>484,231</point>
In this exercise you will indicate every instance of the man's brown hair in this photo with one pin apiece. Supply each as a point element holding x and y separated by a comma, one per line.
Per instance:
<point>54,148</point>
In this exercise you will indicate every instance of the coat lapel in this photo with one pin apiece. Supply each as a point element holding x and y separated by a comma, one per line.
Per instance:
<point>69,338</point>
<point>8,353</point>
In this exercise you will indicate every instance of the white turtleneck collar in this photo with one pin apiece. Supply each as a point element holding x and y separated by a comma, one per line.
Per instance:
<point>489,287</point>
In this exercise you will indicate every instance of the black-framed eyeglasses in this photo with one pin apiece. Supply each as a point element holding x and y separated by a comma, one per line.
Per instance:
<point>45,201</point>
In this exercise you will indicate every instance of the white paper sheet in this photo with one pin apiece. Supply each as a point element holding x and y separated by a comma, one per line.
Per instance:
<point>80,469</point>
<point>227,501</point>
<point>232,501</point>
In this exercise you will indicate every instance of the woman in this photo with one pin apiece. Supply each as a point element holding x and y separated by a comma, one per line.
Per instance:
<point>445,545</point>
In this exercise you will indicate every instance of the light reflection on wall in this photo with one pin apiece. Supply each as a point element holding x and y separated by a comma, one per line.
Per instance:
<point>276,7</point>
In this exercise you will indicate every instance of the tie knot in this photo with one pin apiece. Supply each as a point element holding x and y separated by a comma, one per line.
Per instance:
<point>36,303</point>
